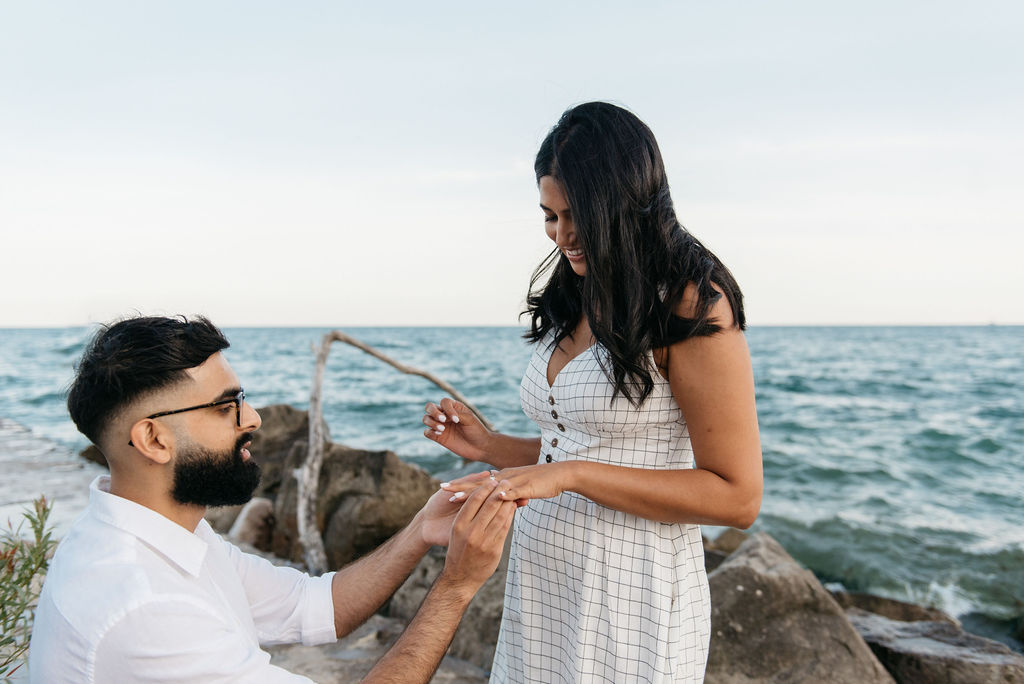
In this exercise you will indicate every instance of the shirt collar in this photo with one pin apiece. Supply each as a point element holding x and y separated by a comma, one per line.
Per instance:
<point>185,549</point>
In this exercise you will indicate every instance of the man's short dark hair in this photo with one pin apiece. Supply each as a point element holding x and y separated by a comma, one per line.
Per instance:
<point>134,357</point>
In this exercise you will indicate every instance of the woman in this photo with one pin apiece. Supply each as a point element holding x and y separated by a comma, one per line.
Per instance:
<point>642,386</point>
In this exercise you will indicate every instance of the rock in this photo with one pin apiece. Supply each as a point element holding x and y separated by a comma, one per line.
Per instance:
<point>349,659</point>
<point>364,497</point>
<point>283,427</point>
<point>712,559</point>
<point>771,620</point>
<point>254,524</point>
<point>728,541</point>
<point>715,552</point>
<point>477,635</point>
<point>221,518</point>
<point>891,608</point>
<point>93,454</point>
<point>937,651</point>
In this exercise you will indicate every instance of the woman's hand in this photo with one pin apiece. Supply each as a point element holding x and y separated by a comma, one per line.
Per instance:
<point>542,481</point>
<point>457,429</point>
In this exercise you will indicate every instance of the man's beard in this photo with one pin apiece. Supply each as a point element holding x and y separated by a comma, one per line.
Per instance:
<point>214,478</point>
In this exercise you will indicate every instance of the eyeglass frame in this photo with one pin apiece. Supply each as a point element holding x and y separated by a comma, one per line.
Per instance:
<point>238,399</point>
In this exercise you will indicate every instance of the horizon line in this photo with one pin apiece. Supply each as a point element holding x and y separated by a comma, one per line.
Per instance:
<point>313,326</point>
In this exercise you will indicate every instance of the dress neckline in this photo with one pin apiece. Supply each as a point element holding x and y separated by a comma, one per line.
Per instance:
<point>547,363</point>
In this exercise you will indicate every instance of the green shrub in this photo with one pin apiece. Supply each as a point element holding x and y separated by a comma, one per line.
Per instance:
<point>23,563</point>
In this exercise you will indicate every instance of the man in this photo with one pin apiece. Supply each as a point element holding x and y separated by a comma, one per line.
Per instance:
<point>142,589</point>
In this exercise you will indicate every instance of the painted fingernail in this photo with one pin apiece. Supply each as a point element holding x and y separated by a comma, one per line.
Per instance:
<point>455,419</point>
<point>456,496</point>
<point>446,485</point>
<point>438,432</point>
<point>442,418</point>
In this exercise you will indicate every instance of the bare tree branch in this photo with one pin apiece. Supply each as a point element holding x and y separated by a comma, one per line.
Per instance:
<point>308,475</point>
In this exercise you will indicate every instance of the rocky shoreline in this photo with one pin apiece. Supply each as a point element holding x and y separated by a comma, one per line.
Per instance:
<point>772,620</point>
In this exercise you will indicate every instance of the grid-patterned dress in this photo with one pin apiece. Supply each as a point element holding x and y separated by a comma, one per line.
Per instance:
<point>594,594</point>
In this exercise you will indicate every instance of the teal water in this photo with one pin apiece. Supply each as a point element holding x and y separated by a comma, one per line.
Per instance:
<point>894,457</point>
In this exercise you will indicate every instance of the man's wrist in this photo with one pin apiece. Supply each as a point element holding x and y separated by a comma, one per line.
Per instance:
<point>415,532</point>
<point>459,591</point>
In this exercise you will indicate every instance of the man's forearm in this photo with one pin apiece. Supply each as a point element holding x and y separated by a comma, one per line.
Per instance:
<point>360,588</point>
<point>417,653</point>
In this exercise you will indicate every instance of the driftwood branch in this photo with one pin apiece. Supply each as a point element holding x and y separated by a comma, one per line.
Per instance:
<point>338,336</point>
<point>308,476</point>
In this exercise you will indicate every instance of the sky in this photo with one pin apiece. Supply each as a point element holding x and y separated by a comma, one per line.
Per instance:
<point>347,164</point>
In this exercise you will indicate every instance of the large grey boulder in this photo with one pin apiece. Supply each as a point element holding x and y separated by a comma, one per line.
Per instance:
<point>937,651</point>
<point>363,498</point>
<point>772,621</point>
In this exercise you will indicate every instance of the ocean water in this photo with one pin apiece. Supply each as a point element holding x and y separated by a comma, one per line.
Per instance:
<point>893,456</point>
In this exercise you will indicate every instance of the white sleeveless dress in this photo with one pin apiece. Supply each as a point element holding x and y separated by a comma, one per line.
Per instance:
<point>594,594</point>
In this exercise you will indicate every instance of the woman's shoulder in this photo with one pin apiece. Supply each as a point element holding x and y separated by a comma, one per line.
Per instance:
<point>720,313</point>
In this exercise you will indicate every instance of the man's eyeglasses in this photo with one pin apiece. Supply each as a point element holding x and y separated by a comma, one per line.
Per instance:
<point>237,400</point>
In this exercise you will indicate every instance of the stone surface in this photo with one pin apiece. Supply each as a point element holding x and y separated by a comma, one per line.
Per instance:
<point>728,540</point>
<point>254,524</point>
<point>364,497</point>
<point>772,621</point>
<point>712,559</point>
<point>936,651</point>
<point>891,608</point>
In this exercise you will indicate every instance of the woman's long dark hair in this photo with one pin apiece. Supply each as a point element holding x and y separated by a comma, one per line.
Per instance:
<point>639,258</point>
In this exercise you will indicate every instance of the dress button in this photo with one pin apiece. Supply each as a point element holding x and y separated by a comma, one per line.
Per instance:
<point>554,414</point>
<point>554,442</point>
<point>551,400</point>
<point>548,458</point>
<point>561,427</point>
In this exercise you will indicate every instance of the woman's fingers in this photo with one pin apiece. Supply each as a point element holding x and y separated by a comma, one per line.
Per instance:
<point>466,484</point>
<point>450,410</point>
<point>435,420</point>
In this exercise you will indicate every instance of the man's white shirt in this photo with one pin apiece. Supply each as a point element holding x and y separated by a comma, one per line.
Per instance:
<point>133,597</point>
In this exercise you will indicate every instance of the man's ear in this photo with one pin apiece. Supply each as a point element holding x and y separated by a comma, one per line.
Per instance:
<point>152,440</point>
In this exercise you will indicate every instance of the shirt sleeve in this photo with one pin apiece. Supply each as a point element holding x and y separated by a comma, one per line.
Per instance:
<point>287,606</point>
<point>178,639</point>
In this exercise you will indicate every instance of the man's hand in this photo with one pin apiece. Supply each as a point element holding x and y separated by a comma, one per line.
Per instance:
<point>478,538</point>
<point>438,514</point>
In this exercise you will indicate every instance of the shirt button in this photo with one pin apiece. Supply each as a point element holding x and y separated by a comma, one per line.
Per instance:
<point>561,427</point>
<point>554,414</point>
<point>551,400</point>
<point>554,442</point>
<point>548,458</point>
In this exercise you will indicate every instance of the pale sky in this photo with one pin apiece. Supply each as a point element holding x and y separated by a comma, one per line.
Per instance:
<point>342,164</point>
